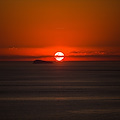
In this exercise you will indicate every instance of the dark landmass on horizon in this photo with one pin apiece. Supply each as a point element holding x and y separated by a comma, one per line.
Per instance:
<point>42,62</point>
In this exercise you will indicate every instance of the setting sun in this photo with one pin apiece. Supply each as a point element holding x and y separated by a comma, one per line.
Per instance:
<point>59,56</point>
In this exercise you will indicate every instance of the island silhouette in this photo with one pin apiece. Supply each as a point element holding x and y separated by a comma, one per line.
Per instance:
<point>42,62</point>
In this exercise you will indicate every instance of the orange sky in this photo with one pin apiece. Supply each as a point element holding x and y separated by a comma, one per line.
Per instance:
<point>33,29</point>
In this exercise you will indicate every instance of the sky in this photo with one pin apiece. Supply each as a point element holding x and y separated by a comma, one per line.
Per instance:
<point>81,29</point>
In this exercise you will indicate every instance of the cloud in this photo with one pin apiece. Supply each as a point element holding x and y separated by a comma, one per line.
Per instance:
<point>95,53</point>
<point>36,57</point>
<point>21,57</point>
<point>94,56</point>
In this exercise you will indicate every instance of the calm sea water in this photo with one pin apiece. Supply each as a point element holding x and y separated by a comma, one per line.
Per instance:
<point>60,91</point>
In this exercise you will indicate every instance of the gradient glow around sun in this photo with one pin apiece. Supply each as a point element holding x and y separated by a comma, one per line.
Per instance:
<point>59,56</point>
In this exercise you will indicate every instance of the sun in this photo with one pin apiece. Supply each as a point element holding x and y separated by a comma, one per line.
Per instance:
<point>59,56</point>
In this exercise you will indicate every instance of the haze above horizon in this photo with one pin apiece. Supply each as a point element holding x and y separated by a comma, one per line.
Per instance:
<point>83,30</point>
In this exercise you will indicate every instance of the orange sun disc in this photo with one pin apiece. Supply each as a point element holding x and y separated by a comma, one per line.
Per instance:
<point>59,56</point>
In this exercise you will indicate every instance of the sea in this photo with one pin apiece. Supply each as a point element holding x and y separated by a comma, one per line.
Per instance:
<point>65,90</point>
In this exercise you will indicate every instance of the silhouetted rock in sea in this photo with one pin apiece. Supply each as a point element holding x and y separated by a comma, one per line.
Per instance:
<point>42,62</point>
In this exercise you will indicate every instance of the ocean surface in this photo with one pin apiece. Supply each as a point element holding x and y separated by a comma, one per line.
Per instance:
<point>60,91</point>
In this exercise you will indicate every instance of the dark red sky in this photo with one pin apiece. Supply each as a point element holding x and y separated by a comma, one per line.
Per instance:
<point>36,28</point>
